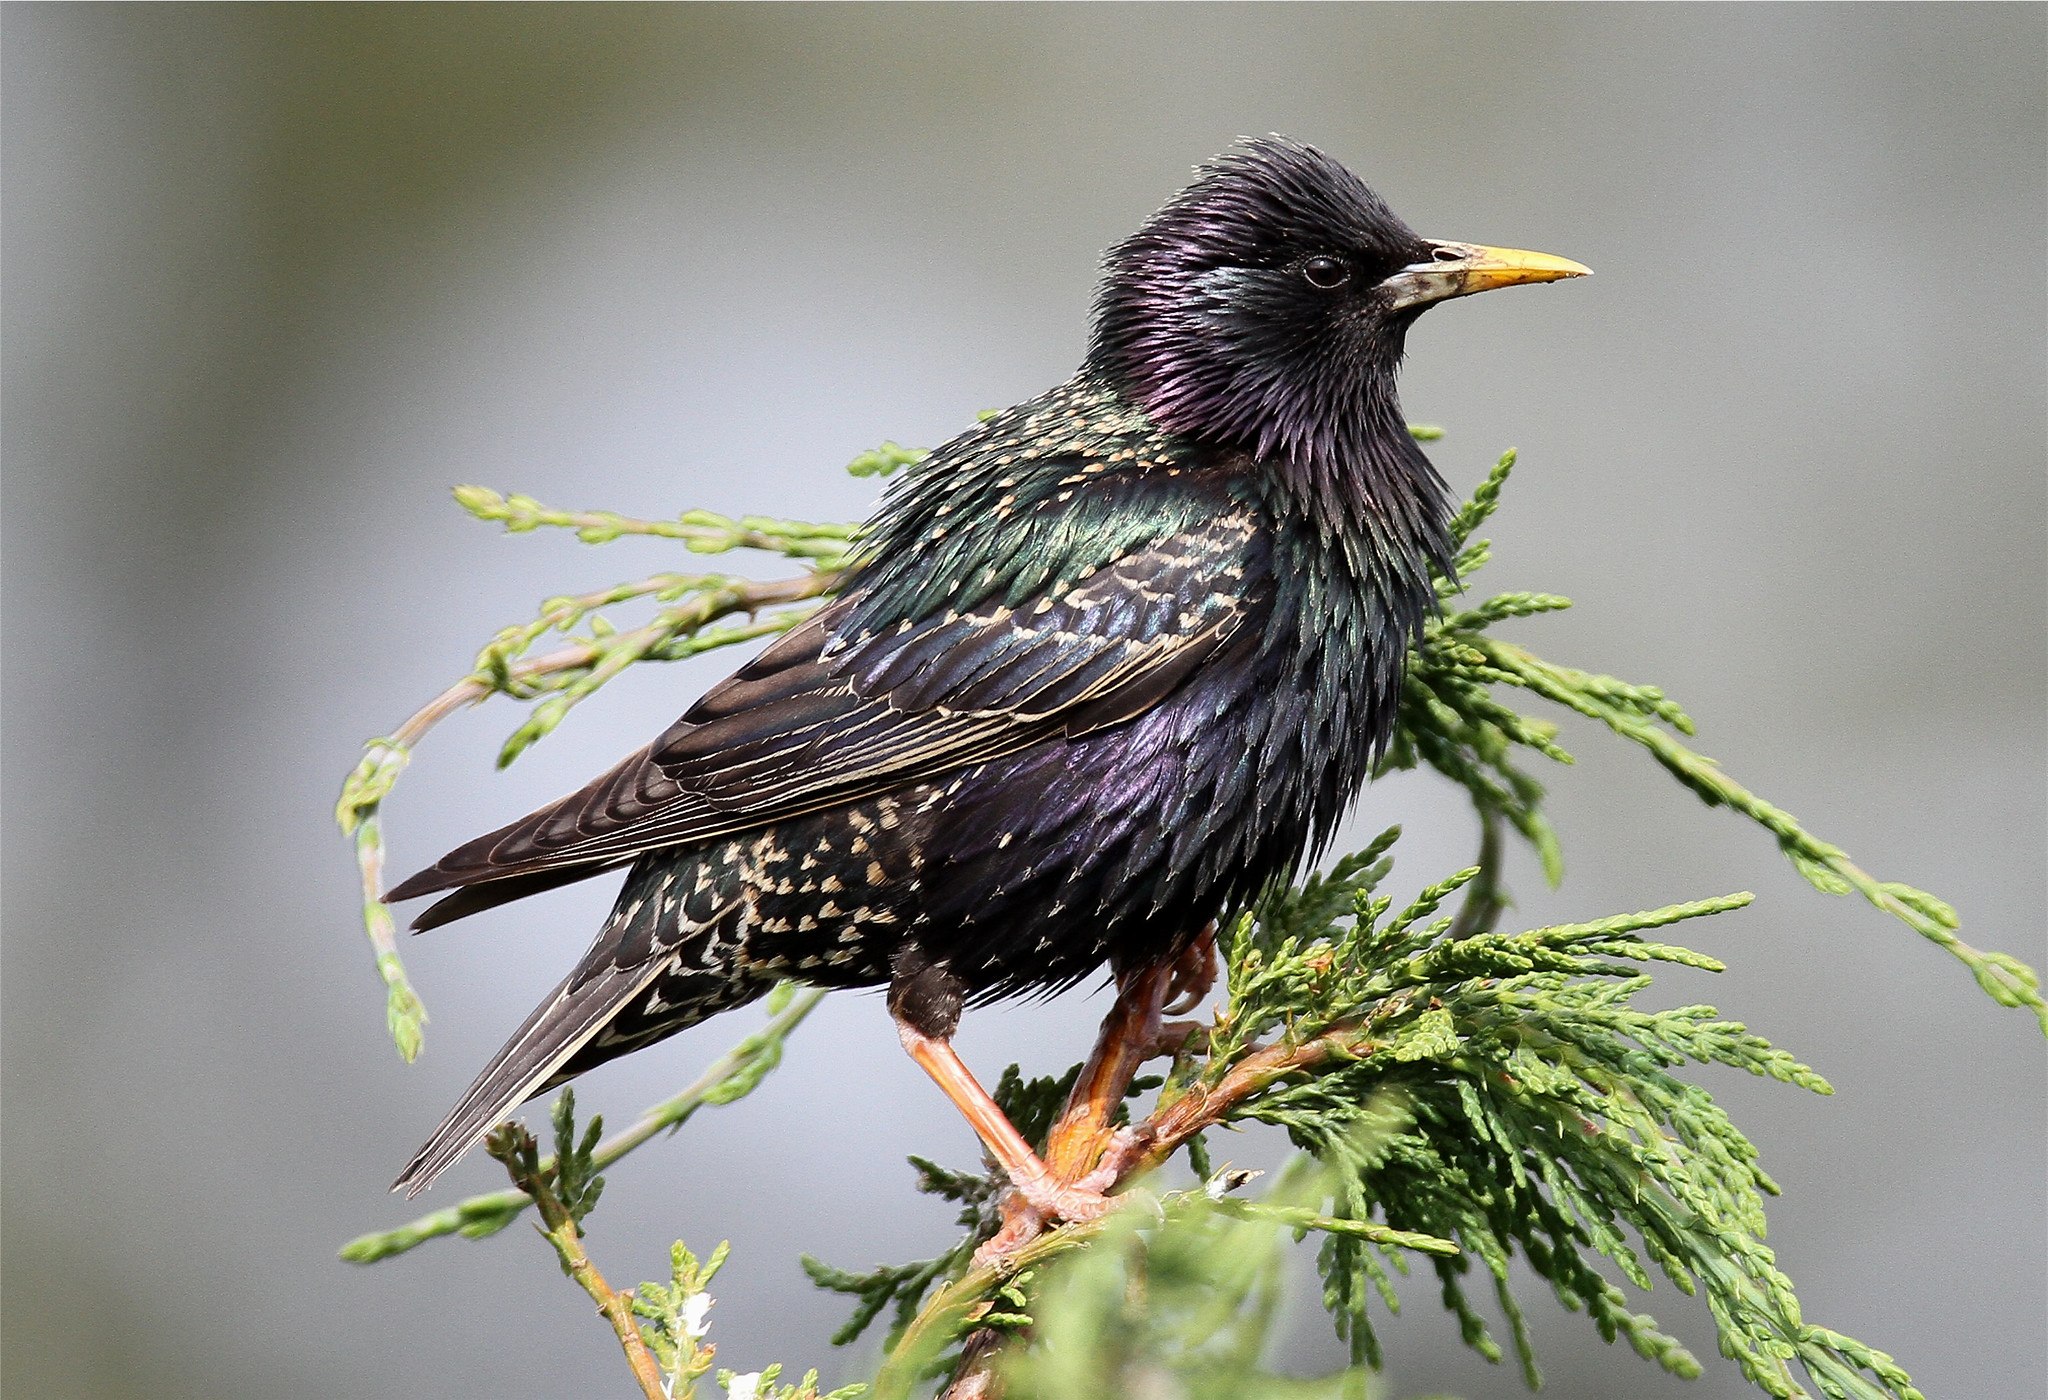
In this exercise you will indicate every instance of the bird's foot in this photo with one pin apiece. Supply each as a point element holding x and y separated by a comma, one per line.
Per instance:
<point>1118,1152</point>
<point>1032,1205</point>
<point>1022,1223</point>
<point>1075,1202</point>
<point>1172,1037</point>
<point>1194,974</point>
<point>1119,1156</point>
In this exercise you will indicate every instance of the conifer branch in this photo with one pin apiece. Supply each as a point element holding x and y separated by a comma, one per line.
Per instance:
<point>660,1327</point>
<point>563,1200</point>
<point>727,1079</point>
<point>1825,866</point>
<point>702,531</point>
<point>565,677</point>
<point>1456,1093</point>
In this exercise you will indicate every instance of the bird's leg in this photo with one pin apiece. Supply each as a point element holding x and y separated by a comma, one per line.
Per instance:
<point>1044,1194</point>
<point>1131,1034</point>
<point>1194,973</point>
<point>1126,1041</point>
<point>925,998</point>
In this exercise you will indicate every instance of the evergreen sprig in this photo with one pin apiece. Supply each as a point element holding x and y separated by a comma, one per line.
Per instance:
<point>660,1327</point>
<point>905,1285</point>
<point>1453,719</point>
<point>1501,1091</point>
<point>1480,1097</point>
<point>1455,1091</point>
<point>672,1316</point>
<point>694,619</point>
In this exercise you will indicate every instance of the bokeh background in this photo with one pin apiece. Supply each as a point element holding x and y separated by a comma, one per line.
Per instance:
<point>275,278</point>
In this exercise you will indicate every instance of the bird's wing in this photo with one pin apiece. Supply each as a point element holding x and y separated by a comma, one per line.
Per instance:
<point>824,718</point>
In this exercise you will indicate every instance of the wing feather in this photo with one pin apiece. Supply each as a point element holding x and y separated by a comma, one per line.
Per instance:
<point>828,716</point>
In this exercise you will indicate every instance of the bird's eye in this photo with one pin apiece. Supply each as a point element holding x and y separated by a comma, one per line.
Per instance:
<point>1326,272</point>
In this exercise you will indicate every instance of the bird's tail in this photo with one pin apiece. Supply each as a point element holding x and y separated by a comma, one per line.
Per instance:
<point>565,1023</point>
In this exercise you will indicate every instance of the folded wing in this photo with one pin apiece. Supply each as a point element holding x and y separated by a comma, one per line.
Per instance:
<point>828,715</point>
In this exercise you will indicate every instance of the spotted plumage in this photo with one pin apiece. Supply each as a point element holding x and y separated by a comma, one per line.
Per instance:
<point>1109,662</point>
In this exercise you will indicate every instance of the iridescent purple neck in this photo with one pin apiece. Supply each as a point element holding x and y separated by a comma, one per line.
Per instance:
<point>1346,462</point>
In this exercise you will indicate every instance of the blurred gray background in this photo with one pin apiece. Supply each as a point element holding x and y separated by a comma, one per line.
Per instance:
<point>275,278</point>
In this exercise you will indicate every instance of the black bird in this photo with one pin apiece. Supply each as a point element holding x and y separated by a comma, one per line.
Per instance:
<point>1109,663</point>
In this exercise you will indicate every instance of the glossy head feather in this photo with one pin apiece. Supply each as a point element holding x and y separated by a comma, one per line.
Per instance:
<point>1249,312</point>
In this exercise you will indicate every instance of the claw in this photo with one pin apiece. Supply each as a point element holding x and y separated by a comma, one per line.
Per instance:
<point>1021,1225</point>
<point>1074,1202</point>
<point>1194,974</point>
<point>1030,1206</point>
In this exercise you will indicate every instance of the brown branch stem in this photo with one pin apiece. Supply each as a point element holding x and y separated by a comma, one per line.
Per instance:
<point>1081,1143</point>
<point>1200,1108</point>
<point>975,1378</point>
<point>740,597</point>
<point>1128,1155</point>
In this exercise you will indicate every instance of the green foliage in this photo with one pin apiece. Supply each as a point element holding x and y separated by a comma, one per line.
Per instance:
<point>672,1316</point>
<point>1476,1096</point>
<point>1181,1302</point>
<point>890,457</point>
<point>904,1286</point>
<point>767,1385</point>
<point>1454,1091</point>
<point>570,1177</point>
<point>576,1182</point>
<point>1453,719</point>
<point>1190,1296</point>
<point>702,531</point>
<point>661,1326</point>
<point>697,614</point>
<point>1501,1091</point>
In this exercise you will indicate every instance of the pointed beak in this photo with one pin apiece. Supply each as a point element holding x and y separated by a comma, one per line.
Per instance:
<point>1460,269</point>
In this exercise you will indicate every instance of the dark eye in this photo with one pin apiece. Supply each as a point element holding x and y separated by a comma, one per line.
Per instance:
<point>1326,272</point>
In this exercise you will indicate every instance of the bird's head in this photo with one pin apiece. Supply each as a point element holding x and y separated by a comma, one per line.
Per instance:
<point>1266,305</point>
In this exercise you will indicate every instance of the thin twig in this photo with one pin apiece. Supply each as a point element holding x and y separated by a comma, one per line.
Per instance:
<point>704,531</point>
<point>1484,897</point>
<point>720,1083</point>
<point>1179,1117</point>
<point>363,794</point>
<point>515,1147</point>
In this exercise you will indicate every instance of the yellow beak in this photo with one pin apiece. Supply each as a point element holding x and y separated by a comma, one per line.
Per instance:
<point>1460,269</point>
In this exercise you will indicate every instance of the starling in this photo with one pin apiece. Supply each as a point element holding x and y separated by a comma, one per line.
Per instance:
<point>1108,664</point>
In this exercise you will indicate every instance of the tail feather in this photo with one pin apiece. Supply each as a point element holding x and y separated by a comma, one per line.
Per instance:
<point>489,894</point>
<point>554,838</point>
<point>563,1024</point>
